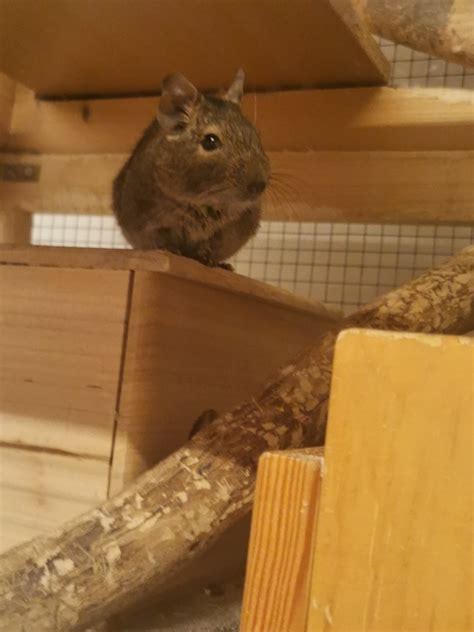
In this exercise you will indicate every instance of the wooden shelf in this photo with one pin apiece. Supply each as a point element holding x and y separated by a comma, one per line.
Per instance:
<point>63,48</point>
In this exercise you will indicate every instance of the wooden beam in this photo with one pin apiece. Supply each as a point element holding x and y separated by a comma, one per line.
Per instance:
<point>439,27</point>
<point>281,551</point>
<point>353,119</point>
<point>394,541</point>
<point>358,186</point>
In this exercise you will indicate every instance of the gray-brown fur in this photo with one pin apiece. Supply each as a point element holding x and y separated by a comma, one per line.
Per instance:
<point>174,195</point>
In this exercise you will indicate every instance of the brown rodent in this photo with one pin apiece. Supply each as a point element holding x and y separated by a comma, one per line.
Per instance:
<point>193,183</point>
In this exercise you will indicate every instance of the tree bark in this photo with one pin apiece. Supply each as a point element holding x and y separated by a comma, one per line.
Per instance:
<point>443,28</point>
<point>102,561</point>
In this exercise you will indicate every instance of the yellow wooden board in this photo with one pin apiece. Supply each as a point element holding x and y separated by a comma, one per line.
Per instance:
<point>64,47</point>
<point>394,539</point>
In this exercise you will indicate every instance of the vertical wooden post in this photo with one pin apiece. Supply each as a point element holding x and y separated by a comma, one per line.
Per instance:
<point>7,98</point>
<point>15,225</point>
<point>281,541</point>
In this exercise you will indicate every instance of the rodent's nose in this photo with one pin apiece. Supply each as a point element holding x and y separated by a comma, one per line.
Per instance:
<point>256,187</point>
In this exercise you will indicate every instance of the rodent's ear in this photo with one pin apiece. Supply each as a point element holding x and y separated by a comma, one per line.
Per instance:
<point>236,90</point>
<point>178,98</point>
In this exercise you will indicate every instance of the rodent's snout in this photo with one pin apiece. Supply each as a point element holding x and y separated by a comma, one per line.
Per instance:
<point>256,187</point>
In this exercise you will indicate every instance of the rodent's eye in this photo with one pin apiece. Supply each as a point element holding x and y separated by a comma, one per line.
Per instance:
<point>210,142</point>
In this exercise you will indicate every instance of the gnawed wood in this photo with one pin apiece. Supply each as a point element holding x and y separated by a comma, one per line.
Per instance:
<point>107,558</point>
<point>443,28</point>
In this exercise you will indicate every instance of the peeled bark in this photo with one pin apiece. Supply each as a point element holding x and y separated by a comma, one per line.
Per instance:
<point>443,28</point>
<point>104,560</point>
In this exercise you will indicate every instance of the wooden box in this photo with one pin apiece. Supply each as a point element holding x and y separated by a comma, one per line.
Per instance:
<point>108,357</point>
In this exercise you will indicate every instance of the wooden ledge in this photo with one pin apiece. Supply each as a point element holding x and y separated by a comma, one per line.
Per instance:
<point>163,262</point>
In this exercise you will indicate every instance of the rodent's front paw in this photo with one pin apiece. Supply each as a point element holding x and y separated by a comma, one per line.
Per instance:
<point>204,419</point>
<point>226,266</point>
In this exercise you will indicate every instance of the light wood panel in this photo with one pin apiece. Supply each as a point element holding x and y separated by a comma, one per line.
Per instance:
<point>41,490</point>
<point>63,48</point>
<point>281,541</point>
<point>325,186</point>
<point>193,344</point>
<point>60,346</point>
<point>391,119</point>
<point>394,541</point>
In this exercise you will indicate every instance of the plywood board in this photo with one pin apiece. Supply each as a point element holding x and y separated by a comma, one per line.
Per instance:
<point>281,541</point>
<point>40,490</point>
<point>61,336</point>
<point>164,262</point>
<point>355,119</point>
<point>64,48</point>
<point>394,540</point>
<point>191,347</point>
<point>315,186</point>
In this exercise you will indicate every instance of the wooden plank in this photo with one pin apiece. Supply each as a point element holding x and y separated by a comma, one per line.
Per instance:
<point>40,490</point>
<point>382,187</point>
<point>66,49</point>
<point>184,333</point>
<point>394,542</point>
<point>166,263</point>
<point>15,227</point>
<point>281,541</point>
<point>60,346</point>
<point>345,119</point>
<point>324,186</point>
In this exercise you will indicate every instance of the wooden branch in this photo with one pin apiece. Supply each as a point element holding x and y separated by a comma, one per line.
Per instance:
<point>357,119</point>
<point>390,187</point>
<point>105,559</point>
<point>440,28</point>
